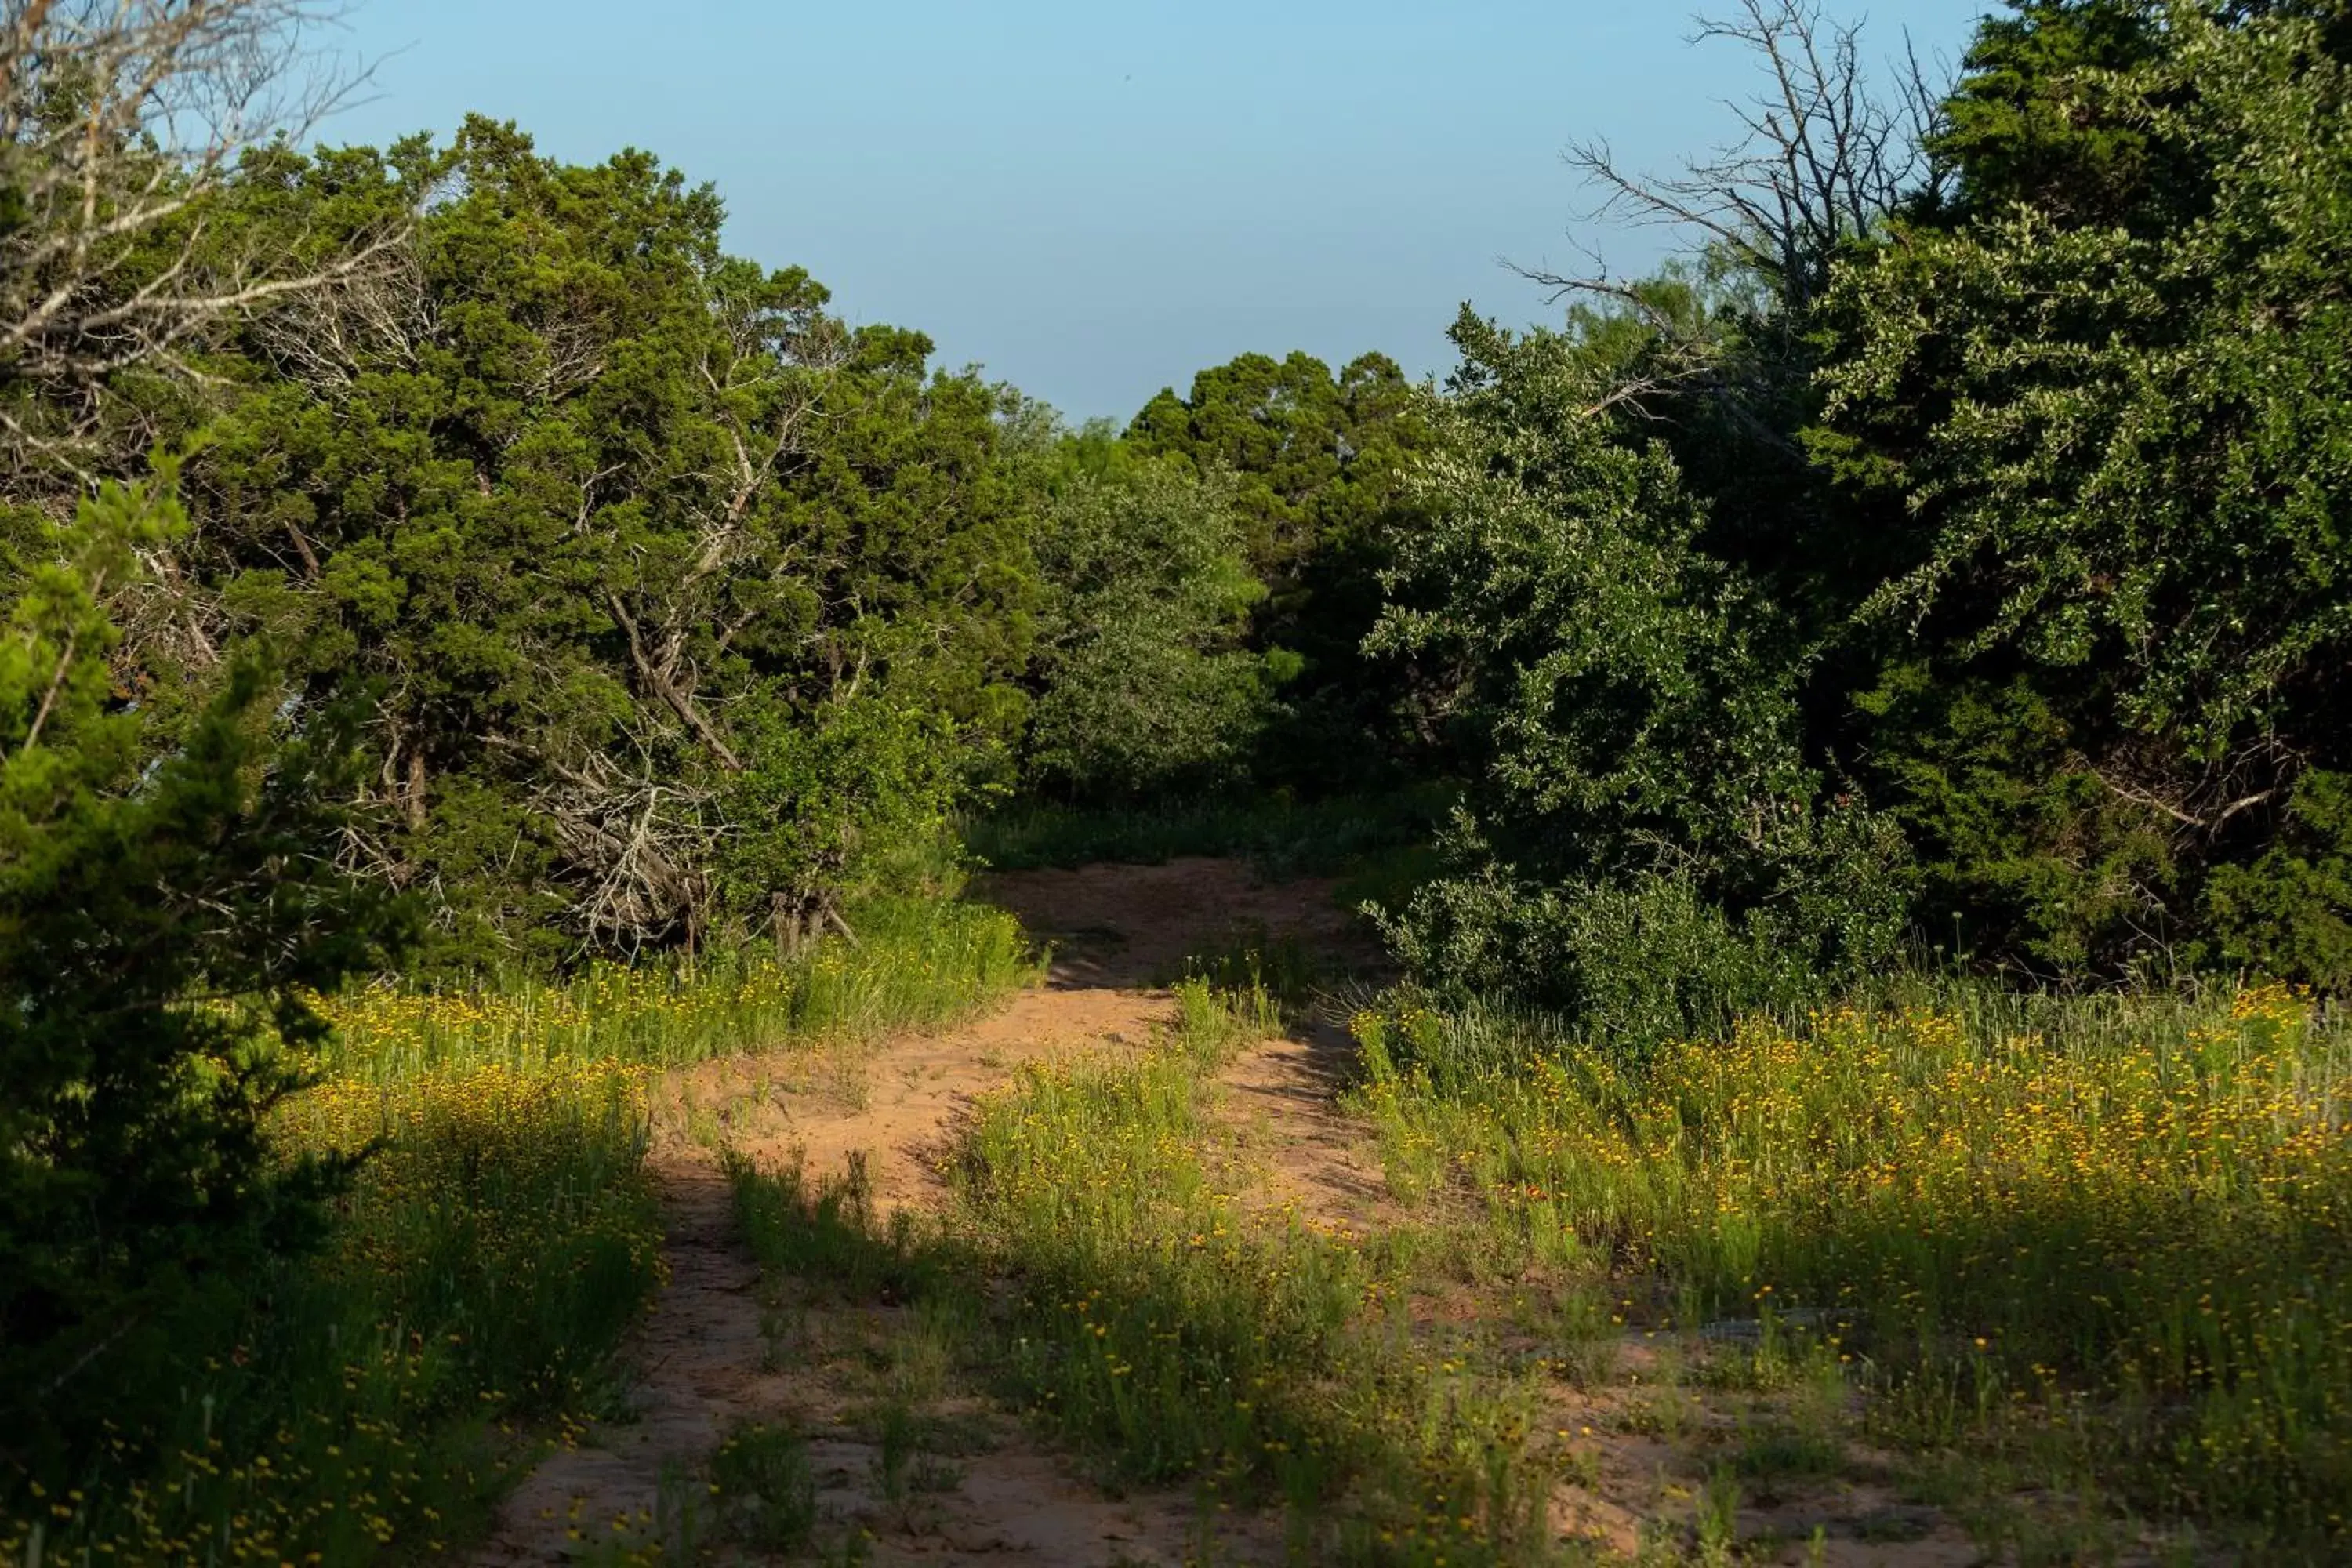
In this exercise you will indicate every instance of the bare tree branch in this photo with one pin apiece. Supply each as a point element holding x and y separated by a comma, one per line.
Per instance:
<point>1822,157</point>
<point>661,680</point>
<point>119,120</point>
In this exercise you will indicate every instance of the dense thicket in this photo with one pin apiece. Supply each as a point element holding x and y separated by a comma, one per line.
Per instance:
<point>2106,409</point>
<point>1145,687</point>
<point>1981,572</point>
<point>672,592</point>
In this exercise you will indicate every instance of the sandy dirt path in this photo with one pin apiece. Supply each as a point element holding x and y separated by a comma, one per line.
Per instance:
<point>706,1360</point>
<point>722,1349</point>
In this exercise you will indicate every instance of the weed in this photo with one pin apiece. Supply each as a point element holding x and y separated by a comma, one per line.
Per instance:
<point>917,962</point>
<point>1719,1521</point>
<point>766,1486</point>
<point>2110,1232</point>
<point>894,1451</point>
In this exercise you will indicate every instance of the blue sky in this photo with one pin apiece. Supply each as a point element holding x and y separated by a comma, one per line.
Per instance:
<point>1093,201</point>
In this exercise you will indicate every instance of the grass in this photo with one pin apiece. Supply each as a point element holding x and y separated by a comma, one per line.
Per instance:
<point>1167,1335</point>
<point>2098,1242</point>
<point>917,961</point>
<point>375,1397</point>
<point>2078,1268</point>
<point>481,1269</point>
<point>2082,1267</point>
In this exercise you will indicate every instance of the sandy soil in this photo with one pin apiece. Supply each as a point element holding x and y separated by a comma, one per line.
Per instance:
<point>705,1362</point>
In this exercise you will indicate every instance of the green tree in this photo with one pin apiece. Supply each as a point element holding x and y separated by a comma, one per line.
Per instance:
<point>1642,842</point>
<point>1145,685</point>
<point>616,525</point>
<point>1313,455</point>
<point>162,915</point>
<point>1318,460</point>
<point>170,846</point>
<point>2044,114</point>
<point>2112,438</point>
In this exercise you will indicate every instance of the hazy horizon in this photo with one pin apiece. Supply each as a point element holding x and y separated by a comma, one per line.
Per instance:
<point>1092,204</point>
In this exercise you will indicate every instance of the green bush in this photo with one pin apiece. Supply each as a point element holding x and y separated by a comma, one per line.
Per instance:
<point>1144,687</point>
<point>1641,837</point>
<point>162,914</point>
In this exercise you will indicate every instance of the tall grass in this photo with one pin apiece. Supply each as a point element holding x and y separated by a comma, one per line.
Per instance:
<point>371,1397</point>
<point>2123,1220</point>
<point>1167,1334</point>
<point>914,963</point>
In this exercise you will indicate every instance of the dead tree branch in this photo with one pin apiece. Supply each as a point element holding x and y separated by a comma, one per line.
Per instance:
<point>1822,157</point>
<point>119,121</point>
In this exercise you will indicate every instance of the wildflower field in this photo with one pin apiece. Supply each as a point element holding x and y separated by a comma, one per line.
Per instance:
<point>2075,1272</point>
<point>490,1233</point>
<point>2105,1242</point>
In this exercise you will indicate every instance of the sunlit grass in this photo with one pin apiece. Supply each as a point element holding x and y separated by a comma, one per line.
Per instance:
<point>915,963</point>
<point>498,1236</point>
<point>2129,1218</point>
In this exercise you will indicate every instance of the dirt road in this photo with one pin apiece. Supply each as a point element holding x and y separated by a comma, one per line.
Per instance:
<point>706,1362</point>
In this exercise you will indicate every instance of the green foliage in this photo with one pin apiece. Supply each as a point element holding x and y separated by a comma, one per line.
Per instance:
<point>2026,854</point>
<point>2108,427</point>
<point>678,593</point>
<point>1145,687</point>
<point>1643,839</point>
<point>2056,610</point>
<point>163,912</point>
<point>1318,454</point>
<point>2289,911</point>
<point>764,1480</point>
<point>816,790</point>
<point>1319,461</point>
<point>2040,116</point>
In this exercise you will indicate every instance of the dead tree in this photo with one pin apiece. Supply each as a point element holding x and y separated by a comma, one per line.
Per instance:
<point>1824,155</point>
<point>119,120</point>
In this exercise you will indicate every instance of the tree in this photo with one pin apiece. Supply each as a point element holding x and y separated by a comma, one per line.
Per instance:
<point>118,121</point>
<point>2109,423</point>
<point>1318,460</point>
<point>2043,116</point>
<point>161,918</point>
<point>1642,843</point>
<point>1144,685</point>
<point>1313,453</point>
<point>616,525</point>
<point>167,890</point>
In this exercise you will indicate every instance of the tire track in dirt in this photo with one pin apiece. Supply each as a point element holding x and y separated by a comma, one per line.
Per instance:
<point>704,1362</point>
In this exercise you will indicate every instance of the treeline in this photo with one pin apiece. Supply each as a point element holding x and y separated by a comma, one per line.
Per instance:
<point>448,557</point>
<point>1947,555</point>
<point>667,608</point>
